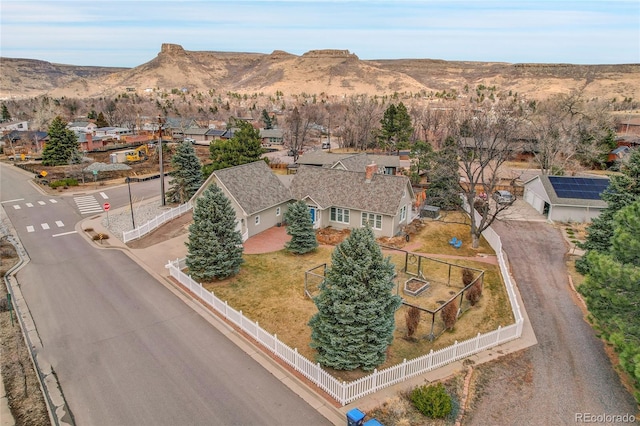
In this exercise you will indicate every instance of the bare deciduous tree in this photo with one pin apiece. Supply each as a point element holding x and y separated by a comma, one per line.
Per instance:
<point>358,125</point>
<point>484,140</point>
<point>298,125</point>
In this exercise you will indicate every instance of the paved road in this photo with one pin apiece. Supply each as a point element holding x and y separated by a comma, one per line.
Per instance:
<point>570,372</point>
<point>125,349</point>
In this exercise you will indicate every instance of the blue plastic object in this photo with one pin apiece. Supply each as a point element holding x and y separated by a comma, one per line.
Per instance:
<point>355,417</point>
<point>453,241</point>
<point>372,422</point>
<point>458,244</point>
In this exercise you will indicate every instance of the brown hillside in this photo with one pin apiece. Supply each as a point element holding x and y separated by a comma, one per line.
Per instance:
<point>333,72</point>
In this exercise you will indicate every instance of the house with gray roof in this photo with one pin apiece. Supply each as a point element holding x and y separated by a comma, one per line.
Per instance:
<point>566,198</point>
<point>258,197</point>
<point>387,164</point>
<point>345,199</point>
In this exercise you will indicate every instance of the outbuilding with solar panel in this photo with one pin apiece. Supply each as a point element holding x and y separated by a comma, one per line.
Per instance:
<point>566,198</point>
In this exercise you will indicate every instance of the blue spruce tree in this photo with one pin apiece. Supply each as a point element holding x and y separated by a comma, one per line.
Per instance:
<point>355,321</point>
<point>214,246</point>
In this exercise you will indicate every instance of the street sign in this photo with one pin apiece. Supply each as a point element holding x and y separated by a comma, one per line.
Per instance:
<point>106,207</point>
<point>43,173</point>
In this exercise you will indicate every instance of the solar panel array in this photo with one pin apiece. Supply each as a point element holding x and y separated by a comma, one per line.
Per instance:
<point>578,187</point>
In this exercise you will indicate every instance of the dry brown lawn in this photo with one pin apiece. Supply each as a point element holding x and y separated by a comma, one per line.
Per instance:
<point>270,290</point>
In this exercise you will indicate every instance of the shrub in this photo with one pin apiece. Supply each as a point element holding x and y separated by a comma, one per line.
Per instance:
<point>99,237</point>
<point>412,318</point>
<point>450,314</point>
<point>474,292</point>
<point>64,182</point>
<point>467,276</point>
<point>433,401</point>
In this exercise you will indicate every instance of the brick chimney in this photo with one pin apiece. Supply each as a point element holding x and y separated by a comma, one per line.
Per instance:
<point>370,171</point>
<point>89,138</point>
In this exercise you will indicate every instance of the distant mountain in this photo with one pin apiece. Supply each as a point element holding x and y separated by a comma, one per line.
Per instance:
<point>333,72</point>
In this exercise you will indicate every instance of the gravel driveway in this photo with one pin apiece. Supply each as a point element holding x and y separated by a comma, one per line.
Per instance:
<point>568,371</point>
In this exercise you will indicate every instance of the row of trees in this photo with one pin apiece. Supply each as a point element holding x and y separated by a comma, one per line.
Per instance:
<point>612,267</point>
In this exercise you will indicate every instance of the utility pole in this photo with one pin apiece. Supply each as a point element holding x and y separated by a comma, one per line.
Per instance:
<point>162,198</point>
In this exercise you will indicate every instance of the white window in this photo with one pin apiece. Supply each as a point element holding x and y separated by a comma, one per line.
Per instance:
<point>339,215</point>
<point>374,220</point>
<point>403,213</point>
<point>257,220</point>
<point>277,211</point>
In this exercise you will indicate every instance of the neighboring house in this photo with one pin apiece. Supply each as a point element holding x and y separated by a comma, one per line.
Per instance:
<point>259,198</point>
<point>14,125</point>
<point>387,164</point>
<point>272,136</point>
<point>566,199</point>
<point>619,153</point>
<point>82,126</point>
<point>345,199</point>
<point>199,134</point>
<point>175,126</point>
<point>113,132</point>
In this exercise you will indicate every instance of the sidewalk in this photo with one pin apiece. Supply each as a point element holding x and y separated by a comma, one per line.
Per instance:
<point>154,258</point>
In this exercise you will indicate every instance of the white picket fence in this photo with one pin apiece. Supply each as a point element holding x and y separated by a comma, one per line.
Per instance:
<point>344,392</point>
<point>156,222</point>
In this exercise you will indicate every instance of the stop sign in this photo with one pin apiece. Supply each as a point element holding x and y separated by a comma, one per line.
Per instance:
<point>106,207</point>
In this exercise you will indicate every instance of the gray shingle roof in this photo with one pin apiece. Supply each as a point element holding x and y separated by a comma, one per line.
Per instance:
<point>349,189</point>
<point>356,162</point>
<point>254,186</point>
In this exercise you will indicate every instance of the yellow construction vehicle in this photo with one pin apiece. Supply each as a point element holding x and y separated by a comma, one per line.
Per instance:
<point>141,153</point>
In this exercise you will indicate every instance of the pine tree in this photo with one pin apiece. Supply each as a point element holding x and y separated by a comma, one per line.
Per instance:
<point>355,321</point>
<point>300,227</point>
<point>6,116</point>
<point>244,147</point>
<point>612,290</point>
<point>444,178</point>
<point>266,118</point>
<point>62,145</point>
<point>214,246</point>
<point>101,121</point>
<point>186,175</point>
<point>396,128</point>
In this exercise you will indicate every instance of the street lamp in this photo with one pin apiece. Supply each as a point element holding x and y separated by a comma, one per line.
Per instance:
<point>133,221</point>
<point>162,199</point>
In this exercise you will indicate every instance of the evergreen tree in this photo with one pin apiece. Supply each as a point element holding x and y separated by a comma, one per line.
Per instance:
<point>186,175</point>
<point>101,121</point>
<point>612,290</point>
<point>622,191</point>
<point>6,116</point>
<point>300,227</point>
<point>244,147</point>
<point>266,118</point>
<point>355,321</point>
<point>422,159</point>
<point>62,145</point>
<point>444,178</point>
<point>214,246</point>
<point>396,128</point>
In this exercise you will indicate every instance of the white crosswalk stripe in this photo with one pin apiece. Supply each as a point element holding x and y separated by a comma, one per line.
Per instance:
<point>44,225</point>
<point>17,206</point>
<point>42,203</point>
<point>29,204</point>
<point>30,228</point>
<point>105,196</point>
<point>87,204</point>
<point>59,223</point>
<point>51,200</point>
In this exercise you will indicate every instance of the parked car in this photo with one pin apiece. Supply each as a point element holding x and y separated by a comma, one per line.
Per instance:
<point>503,197</point>
<point>326,145</point>
<point>190,140</point>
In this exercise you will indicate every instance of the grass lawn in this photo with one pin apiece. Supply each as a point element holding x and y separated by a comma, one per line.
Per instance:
<point>270,289</point>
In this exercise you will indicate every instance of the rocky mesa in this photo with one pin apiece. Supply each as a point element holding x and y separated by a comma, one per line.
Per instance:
<point>332,72</point>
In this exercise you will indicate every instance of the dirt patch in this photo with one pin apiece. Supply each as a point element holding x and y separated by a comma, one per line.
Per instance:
<point>20,380</point>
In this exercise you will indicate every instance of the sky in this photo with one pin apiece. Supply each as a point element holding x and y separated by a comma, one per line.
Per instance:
<point>125,33</point>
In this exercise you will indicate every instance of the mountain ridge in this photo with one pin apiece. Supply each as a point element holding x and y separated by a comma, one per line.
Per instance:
<point>329,71</point>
